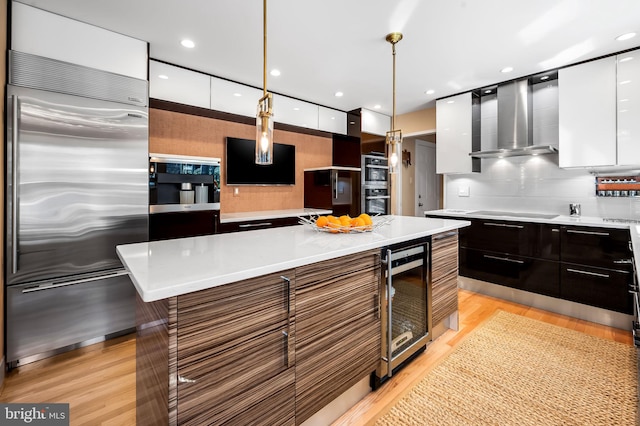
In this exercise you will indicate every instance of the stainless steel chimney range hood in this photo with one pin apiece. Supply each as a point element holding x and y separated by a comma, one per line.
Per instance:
<point>515,128</point>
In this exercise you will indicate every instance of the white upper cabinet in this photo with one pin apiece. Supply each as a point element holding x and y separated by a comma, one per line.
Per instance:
<point>176,84</point>
<point>41,33</point>
<point>587,114</point>
<point>234,98</point>
<point>628,108</point>
<point>374,123</point>
<point>292,111</point>
<point>454,119</point>
<point>331,120</point>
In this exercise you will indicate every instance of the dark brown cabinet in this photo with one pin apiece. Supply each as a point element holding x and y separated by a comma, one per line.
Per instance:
<point>583,264</point>
<point>164,226</point>
<point>252,225</point>
<point>520,255</point>
<point>523,273</point>
<point>595,267</point>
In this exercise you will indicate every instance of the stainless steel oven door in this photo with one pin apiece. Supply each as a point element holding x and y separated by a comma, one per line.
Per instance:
<point>376,201</point>
<point>375,170</point>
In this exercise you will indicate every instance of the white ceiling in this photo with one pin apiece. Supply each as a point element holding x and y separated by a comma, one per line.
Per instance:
<point>325,46</point>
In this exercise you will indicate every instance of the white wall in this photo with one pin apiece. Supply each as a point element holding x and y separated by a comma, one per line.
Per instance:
<point>534,184</point>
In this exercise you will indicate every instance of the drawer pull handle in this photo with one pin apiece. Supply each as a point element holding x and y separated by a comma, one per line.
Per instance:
<point>182,379</point>
<point>602,234</point>
<point>251,225</point>
<point>623,261</point>
<point>593,274</point>
<point>519,262</point>
<point>504,225</point>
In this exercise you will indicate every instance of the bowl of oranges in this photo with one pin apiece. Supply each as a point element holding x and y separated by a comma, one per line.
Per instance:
<point>344,224</point>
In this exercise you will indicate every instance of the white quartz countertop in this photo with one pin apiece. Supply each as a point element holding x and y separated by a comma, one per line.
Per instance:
<point>168,268</point>
<point>534,217</point>
<point>270,214</point>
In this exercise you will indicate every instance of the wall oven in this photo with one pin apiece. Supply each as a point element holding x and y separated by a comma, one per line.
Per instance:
<point>375,200</point>
<point>375,185</point>
<point>405,306</point>
<point>375,170</point>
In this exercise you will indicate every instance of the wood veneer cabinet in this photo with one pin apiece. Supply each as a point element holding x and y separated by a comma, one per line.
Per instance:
<point>263,351</point>
<point>444,275</point>
<point>230,355</point>
<point>337,328</point>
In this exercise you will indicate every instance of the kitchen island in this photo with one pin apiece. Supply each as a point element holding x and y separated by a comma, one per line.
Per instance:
<point>259,327</point>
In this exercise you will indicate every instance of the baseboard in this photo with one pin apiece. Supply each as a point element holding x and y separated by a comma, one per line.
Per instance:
<point>551,304</point>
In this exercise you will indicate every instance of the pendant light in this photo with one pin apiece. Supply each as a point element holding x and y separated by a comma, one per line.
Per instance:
<point>264,116</point>
<point>394,136</point>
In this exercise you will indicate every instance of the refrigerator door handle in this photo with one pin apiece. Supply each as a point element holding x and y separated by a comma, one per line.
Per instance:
<point>15,110</point>
<point>335,181</point>
<point>50,286</point>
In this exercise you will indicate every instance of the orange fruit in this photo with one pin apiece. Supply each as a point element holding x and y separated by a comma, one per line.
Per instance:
<point>358,222</point>
<point>334,224</point>
<point>322,221</point>
<point>366,218</point>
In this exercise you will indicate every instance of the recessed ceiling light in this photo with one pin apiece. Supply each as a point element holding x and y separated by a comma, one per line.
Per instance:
<point>623,100</point>
<point>625,59</point>
<point>623,110</point>
<point>430,92</point>
<point>164,77</point>
<point>626,36</point>
<point>450,102</point>
<point>544,77</point>
<point>296,109</point>
<point>275,72</point>
<point>237,94</point>
<point>625,82</point>
<point>487,91</point>
<point>506,69</point>
<point>352,122</point>
<point>339,94</point>
<point>333,118</point>
<point>189,44</point>
<point>377,107</point>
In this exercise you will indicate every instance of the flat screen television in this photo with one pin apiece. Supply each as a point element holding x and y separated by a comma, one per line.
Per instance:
<point>241,168</point>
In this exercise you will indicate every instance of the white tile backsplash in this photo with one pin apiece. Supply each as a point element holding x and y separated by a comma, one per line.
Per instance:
<point>536,185</point>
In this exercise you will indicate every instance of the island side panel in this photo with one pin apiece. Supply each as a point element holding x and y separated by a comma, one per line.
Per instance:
<point>444,275</point>
<point>337,328</point>
<point>156,394</point>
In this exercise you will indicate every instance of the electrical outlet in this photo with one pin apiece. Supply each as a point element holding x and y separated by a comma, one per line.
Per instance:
<point>236,192</point>
<point>463,191</point>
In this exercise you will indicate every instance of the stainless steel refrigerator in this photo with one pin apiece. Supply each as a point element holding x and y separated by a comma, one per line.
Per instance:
<point>76,186</point>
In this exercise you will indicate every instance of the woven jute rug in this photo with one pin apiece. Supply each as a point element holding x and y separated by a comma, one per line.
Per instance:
<point>514,370</point>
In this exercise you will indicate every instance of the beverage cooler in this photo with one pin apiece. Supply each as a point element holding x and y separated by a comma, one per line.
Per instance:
<point>184,196</point>
<point>405,308</point>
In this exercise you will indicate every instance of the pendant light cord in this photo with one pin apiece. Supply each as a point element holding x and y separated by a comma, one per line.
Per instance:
<point>264,48</point>
<point>393,117</point>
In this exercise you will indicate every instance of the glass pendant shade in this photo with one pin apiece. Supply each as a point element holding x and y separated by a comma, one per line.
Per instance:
<point>264,131</point>
<point>393,143</point>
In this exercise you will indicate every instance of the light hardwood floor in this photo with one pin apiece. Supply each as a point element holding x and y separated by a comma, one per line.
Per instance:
<point>99,381</point>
